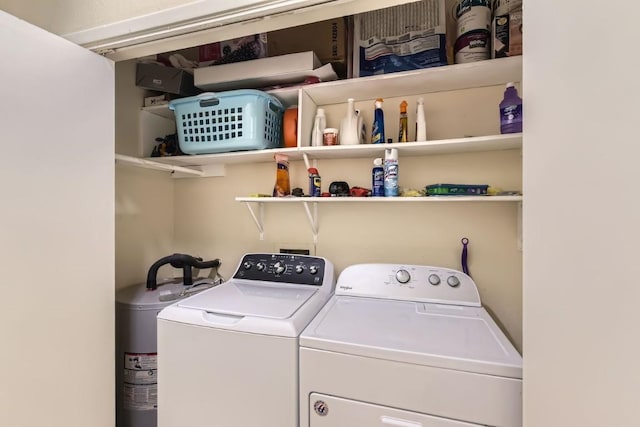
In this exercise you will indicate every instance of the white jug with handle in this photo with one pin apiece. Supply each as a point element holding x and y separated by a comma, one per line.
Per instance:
<point>351,125</point>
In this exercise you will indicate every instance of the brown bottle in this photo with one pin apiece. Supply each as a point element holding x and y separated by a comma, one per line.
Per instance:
<point>282,187</point>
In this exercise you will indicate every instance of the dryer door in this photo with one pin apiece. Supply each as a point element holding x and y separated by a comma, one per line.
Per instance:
<point>329,411</point>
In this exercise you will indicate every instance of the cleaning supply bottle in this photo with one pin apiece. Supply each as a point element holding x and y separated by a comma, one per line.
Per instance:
<point>403,135</point>
<point>377,131</point>
<point>282,187</point>
<point>377,177</point>
<point>350,125</point>
<point>391,172</point>
<point>421,125</point>
<point>511,111</point>
<point>319,124</point>
<point>314,183</point>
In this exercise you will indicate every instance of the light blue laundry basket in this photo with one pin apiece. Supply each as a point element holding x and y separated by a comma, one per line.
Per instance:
<point>235,120</point>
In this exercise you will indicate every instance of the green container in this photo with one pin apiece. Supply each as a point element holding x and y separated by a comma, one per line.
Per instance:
<point>456,190</point>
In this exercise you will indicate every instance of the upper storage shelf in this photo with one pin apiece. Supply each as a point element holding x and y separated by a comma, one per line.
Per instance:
<point>446,146</point>
<point>438,79</point>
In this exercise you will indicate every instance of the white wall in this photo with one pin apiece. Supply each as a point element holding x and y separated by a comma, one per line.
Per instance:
<point>581,214</point>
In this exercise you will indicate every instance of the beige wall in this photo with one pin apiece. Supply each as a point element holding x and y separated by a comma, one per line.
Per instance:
<point>211,223</point>
<point>581,215</point>
<point>208,222</point>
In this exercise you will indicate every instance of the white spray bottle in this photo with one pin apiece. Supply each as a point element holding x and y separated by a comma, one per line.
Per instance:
<point>391,172</point>
<point>421,125</point>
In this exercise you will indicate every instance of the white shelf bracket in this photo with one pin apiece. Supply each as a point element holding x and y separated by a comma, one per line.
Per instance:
<point>313,219</point>
<point>519,226</point>
<point>258,219</point>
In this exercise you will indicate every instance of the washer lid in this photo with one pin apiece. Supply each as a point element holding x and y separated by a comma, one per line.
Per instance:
<point>445,336</point>
<point>255,299</point>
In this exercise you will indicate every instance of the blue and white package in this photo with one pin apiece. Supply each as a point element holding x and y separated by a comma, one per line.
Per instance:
<point>401,38</point>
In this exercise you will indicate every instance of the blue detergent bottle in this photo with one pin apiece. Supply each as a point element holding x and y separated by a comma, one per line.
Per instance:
<point>511,111</point>
<point>377,131</point>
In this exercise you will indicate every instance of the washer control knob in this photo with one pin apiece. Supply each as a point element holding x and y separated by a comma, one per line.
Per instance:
<point>434,279</point>
<point>403,276</point>
<point>313,269</point>
<point>247,265</point>
<point>278,267</point>
<point>453,281</point>
<point>260,266</point>
<point>299,269</point>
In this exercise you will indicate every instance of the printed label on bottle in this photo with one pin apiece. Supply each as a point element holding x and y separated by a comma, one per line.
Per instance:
<point>314,186</point>
<point>511,119</point>
<point>391,179</point>
<point>378,182</point>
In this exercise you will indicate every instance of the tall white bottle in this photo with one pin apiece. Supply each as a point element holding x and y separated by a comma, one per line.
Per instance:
<point>421,125</point>
<point>319,125</point>
<point>350,126</point>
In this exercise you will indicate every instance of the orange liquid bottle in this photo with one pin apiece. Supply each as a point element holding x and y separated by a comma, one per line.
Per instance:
<point>283,186</point>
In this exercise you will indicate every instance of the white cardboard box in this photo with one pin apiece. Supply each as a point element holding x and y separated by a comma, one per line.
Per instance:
<point>257,73</point>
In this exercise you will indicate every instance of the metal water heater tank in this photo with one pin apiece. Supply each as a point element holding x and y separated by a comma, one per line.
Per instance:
<point>136,345</point>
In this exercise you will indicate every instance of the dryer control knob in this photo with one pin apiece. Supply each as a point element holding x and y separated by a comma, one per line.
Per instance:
<point>434,279</point>
<point>453,281</point>
<point>247,265</point>
<point>299,269</point>
<point>313,269</point>
<point>403,276</point>
<point>260,266</point>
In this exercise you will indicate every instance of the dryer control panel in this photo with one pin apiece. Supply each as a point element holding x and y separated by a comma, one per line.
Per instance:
<point>409,282</point>
<point>283,268</point>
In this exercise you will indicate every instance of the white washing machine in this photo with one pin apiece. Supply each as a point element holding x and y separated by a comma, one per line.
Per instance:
<point>407,346</point>
<point>228,356</point>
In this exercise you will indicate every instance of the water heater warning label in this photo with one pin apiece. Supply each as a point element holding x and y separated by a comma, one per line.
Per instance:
<point>140,381</point>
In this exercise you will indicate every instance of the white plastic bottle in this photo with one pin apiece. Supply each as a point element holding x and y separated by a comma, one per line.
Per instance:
<point>421,125</point>
<point>319,125</point>
<point>391,172</point>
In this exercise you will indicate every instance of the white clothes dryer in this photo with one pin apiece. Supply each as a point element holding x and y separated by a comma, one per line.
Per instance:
<point>228,356</point>
<point>407,346</point>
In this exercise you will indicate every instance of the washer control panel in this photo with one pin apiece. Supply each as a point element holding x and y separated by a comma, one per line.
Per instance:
<point>409,282</point>
<point>282,268</point>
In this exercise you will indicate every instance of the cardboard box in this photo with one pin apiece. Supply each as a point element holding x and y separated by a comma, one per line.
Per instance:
<point>328,39</point>
<point>151,101</point>
<point>161,78</point>
<point>507,29</point>
<point>258,73</point>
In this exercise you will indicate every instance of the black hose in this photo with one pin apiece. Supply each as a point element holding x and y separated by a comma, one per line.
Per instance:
<point>184,261</point>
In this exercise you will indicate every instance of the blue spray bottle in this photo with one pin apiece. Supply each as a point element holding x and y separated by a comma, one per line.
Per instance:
<point>377,178</point>
<point>377,134</point>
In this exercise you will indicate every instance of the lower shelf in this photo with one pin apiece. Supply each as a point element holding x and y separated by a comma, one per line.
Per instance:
<point>431,199</point>
<point>310,205</point>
